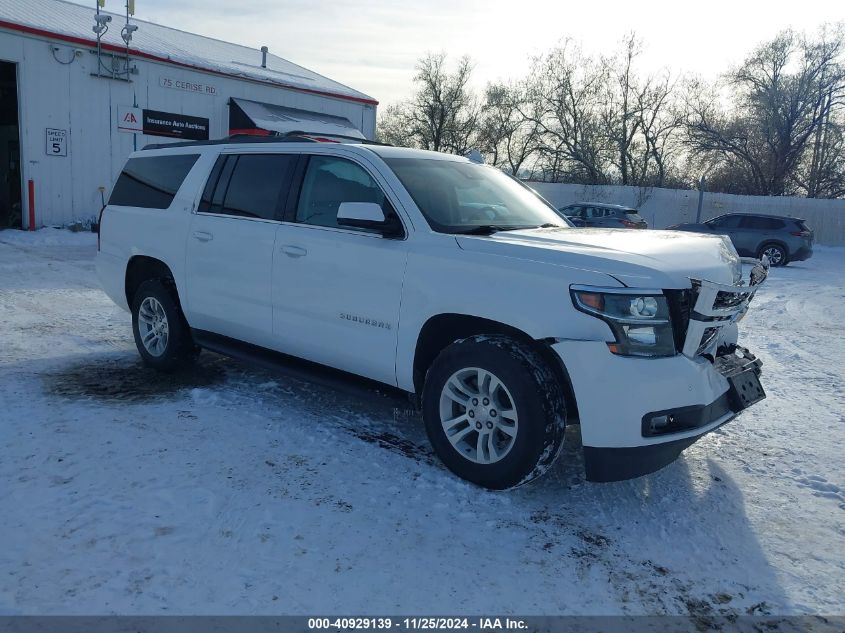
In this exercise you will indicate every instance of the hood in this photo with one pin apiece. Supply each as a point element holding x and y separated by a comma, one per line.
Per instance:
<point>644,259</point>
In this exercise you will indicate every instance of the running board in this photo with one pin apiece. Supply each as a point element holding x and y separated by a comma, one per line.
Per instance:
<point>296,368</point>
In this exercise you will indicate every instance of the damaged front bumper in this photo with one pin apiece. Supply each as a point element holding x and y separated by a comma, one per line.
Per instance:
<point>715,311</point>
<point>671,402</point>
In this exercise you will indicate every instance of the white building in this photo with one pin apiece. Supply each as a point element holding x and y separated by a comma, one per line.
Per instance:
<point>71,112</point>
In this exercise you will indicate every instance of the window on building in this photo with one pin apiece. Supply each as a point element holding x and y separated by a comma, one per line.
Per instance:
<point>151,182</point>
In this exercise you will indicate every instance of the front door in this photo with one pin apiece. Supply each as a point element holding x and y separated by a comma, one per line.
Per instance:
<point>231,246</point>
<point>336,291</point>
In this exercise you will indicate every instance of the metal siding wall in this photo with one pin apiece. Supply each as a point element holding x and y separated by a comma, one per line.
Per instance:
<point>68,97</point>
<point>665,207</point>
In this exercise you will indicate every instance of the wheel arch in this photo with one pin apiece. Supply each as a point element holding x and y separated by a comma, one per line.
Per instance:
<point>441,330</point>
<point>141,268</point>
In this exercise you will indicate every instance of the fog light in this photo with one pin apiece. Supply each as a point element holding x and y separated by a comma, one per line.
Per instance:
<point>659,423</point>
<point>641,335</point>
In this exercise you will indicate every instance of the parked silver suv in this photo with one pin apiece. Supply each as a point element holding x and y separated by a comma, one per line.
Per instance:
<point>781,239</point>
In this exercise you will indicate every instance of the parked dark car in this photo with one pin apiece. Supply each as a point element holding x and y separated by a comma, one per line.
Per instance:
<point>781,239</point>
<point>611,216</point>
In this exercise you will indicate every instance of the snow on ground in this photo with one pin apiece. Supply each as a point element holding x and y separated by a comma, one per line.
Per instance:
<point>234,491</point>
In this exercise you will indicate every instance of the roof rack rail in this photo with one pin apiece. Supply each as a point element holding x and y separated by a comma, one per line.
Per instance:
<point>290,137</point>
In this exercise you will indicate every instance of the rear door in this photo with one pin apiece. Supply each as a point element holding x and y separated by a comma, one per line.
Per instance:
<point>231,245</point>
<point>337,290</point>
<point>755,231</point>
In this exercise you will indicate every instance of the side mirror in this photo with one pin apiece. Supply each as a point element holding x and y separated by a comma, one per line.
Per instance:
<point>368,215</point>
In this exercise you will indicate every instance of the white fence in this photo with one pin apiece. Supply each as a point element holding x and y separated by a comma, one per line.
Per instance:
<point>665,207</point>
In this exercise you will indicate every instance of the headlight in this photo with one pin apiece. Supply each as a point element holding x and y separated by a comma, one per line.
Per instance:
<point>639,319</point>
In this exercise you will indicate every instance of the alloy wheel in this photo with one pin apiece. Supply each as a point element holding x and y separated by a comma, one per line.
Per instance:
<point>775,255</point>
<point>478,415</point>
<point>153,326</point>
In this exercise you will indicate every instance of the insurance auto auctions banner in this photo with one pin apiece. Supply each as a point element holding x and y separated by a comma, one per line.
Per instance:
<point>191,128</point>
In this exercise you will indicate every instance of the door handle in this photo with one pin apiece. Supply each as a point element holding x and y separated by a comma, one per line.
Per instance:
<point>202,236</point>
<point>294,251</point>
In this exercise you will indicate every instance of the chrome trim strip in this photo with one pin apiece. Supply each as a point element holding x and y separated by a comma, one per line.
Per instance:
<point>621,290</point>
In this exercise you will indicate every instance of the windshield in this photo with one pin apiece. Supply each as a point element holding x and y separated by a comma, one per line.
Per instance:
<point>458,197</point>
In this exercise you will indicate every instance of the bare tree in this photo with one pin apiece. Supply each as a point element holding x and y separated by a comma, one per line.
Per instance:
<point>600,121</point>
<point>783,94</point>
<point>564,100</point>
<point>443,113</point>
<point>623,109</point>
<point>392,126</point>
<point>775,125</point>
<point>661,121</point>
<point>823,174</point>
<point>507,138</point>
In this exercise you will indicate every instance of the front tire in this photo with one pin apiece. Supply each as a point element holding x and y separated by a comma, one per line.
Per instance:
<point>162,335</point>
<point>494,411</point>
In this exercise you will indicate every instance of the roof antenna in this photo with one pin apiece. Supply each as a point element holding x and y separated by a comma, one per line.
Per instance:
<point>264,51</point>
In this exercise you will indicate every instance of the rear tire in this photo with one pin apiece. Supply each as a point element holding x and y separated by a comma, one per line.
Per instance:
<point>494,411</point>
<point>775,252</point>
<point>162,335</point>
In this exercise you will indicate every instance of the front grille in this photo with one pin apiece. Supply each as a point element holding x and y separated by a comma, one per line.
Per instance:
<point>681,303</point>
<point>725,300</point>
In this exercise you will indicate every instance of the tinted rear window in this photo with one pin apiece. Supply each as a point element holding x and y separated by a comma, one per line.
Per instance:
<point>258,184</point>
<point>151,182</point>
<point>765,224</point>
<point>248,185</point>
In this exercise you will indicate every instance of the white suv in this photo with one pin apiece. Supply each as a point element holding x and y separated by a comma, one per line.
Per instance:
<point>444,278</point>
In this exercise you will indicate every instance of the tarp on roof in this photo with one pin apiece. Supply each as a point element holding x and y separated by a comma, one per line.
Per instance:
<point>253,117</point>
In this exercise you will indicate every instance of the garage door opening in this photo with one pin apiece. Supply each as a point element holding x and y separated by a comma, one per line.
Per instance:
<point>10,149</point>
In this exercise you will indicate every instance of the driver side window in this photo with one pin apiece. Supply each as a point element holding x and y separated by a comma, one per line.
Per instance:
<point>329,181</point>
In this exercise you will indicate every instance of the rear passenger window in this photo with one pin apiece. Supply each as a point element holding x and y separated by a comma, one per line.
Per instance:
<point>763,224</point>
<point>330,181</point>
<point>248,185</point>
<point>151,182</point>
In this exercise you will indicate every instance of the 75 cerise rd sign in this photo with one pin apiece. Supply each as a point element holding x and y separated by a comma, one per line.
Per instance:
<point>187,86</point>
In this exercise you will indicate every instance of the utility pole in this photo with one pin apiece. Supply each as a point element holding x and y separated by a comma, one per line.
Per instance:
<point>702,183</point>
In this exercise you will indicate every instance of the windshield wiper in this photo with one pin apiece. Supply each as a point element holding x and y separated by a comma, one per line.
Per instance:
<point>488,229</point>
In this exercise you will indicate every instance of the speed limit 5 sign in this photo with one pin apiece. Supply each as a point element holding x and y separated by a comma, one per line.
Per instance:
<point>56,142</point>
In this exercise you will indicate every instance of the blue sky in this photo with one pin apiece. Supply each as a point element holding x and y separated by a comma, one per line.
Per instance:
<point>372,45</point>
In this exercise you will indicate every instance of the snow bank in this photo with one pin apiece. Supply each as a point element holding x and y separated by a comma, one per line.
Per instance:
<point>48,236</point>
